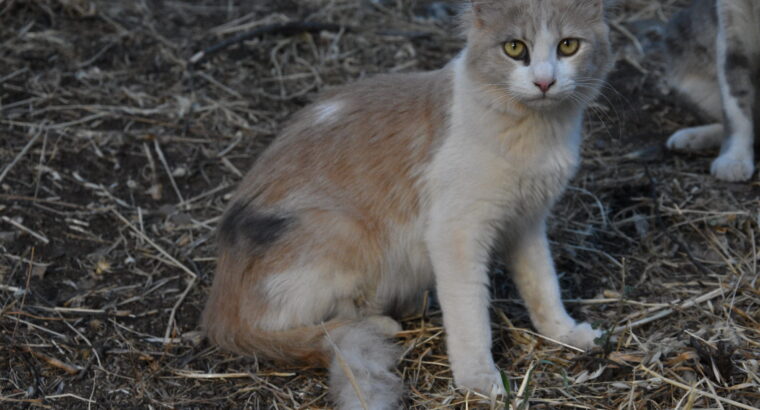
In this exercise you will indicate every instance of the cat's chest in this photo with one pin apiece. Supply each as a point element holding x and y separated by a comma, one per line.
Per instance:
<point>521,171</point>
<point>532,177</point>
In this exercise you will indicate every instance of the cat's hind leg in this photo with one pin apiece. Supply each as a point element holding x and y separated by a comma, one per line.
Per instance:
<point>536,279</point>
<point>697,138</point>
<point>304,294</point>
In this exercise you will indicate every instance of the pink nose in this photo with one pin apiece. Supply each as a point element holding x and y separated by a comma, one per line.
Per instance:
<point>544,86</point>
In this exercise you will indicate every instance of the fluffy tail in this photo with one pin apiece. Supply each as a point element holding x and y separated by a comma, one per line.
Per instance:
<point>361,357</point>
<point>361,375</point>
<point>358,353</point>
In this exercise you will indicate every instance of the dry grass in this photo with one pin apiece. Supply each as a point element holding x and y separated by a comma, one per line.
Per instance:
<point>116,161</point>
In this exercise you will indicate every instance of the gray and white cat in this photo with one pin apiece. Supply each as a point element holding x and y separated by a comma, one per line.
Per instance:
<point>400,183</point>
<point>714,60</point>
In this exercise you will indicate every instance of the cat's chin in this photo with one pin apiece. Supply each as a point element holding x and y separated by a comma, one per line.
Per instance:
<point>544,103</point>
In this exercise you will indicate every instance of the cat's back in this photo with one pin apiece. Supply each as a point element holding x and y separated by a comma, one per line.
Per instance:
<point>373,135</point>
<point>690,37</point>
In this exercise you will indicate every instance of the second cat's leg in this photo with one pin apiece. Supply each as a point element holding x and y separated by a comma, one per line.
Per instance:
<point>697,138</point>
<point>536,279</point>
<point>735,72</point>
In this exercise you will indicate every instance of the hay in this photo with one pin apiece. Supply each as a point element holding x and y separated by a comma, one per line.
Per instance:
<point>117,159</point>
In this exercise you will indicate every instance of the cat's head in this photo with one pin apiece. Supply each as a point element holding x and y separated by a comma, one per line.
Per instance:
<point>537,54</point>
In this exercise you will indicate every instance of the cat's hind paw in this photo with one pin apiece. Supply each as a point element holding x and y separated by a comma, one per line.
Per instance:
<point>696,138</point>
<point>733,168</point>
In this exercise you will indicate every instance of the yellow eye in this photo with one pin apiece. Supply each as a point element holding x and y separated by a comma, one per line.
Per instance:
<point>516,49</point>
<point>569,47</point>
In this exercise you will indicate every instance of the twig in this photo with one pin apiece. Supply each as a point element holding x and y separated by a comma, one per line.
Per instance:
<point>41,237</point>
<point>53,361</point>
<point>20,155</point>
<point>521,396</point>
<point>161,250</point>
<point>667,312</point>
<point>168,170</point>
<point>695,391</point>
<point>661,225</point>
<point>198,375</point>
<point>176,263</point>
<point>16,291</point>
<point>69,396</point>
<point>176,306</point>
<point>291,28</point>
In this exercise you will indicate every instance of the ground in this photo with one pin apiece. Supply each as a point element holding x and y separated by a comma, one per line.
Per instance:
<point>117,158</point>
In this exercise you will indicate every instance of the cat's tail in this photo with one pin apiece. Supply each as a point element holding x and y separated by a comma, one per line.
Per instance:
<point>359,354</point>
<point>361,372</point>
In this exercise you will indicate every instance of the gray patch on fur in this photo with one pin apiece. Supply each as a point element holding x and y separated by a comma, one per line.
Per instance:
<point>241,223</point>
<point>739,77</point>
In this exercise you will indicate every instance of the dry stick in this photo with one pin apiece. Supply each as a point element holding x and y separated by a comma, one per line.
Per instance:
<point>41,237</point>
<point>52,361</point>
<point>168,170</point>
<point>23,152</point>
<point>524,386</point>
<point>661,225</point>
<point>667,312</point>
<point>700,392</point>
<point>13,289</point>
<point>178,264</point>
<point>196,375</point>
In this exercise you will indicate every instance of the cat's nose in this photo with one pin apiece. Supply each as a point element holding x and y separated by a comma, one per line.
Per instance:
<point>544,85</point>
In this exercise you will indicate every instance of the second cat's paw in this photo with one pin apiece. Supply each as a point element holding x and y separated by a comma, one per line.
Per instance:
<point>581,336</point>
<point>733,168</point>
<point>483,381</point>
<point>694,139</point>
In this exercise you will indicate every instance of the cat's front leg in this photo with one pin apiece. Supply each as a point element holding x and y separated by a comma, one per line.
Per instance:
<point>533,270</point>
<point>735,72</point>
<point>459,249</point>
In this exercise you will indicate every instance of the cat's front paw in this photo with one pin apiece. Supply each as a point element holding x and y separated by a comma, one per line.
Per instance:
<point>733,167</point>
<point>485,381</point>
<point>581,336</point>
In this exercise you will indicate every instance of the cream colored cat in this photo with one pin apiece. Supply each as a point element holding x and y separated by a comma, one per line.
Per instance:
<point>401,183</point>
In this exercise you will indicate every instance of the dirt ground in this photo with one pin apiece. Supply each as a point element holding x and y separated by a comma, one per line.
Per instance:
<point>117,158</point>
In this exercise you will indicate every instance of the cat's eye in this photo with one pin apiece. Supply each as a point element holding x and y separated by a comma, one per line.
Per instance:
<point>569,47</point>
<point>516,49</point>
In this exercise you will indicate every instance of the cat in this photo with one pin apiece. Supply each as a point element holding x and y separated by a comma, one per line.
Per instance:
<point>401,183</point>
<point>714,50</point>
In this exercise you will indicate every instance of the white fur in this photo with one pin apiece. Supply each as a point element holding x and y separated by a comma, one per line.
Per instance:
<point>697,138</point>
<point>546,67</point>
<point>328,110</point>
<point>302,297</point>
<point>736,161</point>
<point>511,168</point>
<point>361,370</point>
